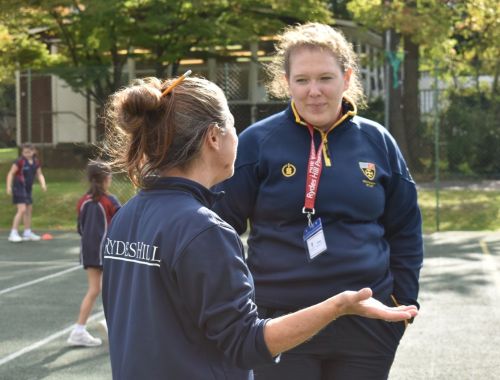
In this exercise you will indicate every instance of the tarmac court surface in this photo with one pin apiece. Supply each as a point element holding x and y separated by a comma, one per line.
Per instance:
<point>456,336</point>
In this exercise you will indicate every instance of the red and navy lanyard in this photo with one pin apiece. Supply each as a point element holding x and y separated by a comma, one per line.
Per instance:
<point>314,168</point>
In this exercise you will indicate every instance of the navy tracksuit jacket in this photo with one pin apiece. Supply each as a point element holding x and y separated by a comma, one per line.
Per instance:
<point>177,293</point>
<point>367,202</point>
<point>93,221</point>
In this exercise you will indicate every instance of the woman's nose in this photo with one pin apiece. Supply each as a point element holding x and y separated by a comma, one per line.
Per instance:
<point>314,89</point>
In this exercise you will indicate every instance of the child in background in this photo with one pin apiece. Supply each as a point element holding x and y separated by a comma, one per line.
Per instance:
<point>95,210</point>
<point>20,184</point>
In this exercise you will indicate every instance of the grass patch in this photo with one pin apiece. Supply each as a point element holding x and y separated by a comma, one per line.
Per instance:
<point>56,208</point>
<point>8,155</point>
<point>461,210</point>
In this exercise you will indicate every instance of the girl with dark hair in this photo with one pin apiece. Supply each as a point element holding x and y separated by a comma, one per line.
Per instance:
<point>95,210</point>
<point>177,294</point>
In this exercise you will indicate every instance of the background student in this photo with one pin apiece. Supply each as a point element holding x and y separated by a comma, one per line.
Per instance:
<point>95,210</point>
<point>20,180</point>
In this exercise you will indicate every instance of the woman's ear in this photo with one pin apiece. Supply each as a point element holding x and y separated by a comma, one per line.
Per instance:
<point>347,78</point>
<point>212,138</point>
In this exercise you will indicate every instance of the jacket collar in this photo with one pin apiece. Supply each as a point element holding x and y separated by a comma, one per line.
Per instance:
<point>349,110</point>
<point>205,196</point>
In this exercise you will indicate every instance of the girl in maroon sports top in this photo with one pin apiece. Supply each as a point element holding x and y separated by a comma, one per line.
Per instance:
<point>95,210</point>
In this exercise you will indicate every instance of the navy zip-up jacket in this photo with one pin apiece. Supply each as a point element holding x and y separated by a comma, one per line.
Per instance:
<point>26,172</point>
<point>367,202</point>
<point>93,220</point>
<point>177,294</point>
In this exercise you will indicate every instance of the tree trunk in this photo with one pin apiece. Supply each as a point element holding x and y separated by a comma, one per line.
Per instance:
<point>494,87</point>
<point>396,120</point>
<point>411,104</point>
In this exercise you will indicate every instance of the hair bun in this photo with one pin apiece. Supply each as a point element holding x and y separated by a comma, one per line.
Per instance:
<point>132,104</point>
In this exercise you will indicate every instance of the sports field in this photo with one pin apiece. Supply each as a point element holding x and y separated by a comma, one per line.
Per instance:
<point>455,337</point>
<point>41,287</point>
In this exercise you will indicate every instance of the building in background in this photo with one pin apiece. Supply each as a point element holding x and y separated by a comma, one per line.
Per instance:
<point>49,113</point>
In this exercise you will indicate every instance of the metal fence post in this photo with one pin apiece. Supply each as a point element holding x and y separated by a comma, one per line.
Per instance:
<point>387,80</point>
<point>28,104</point>
<point>253,74</point>
<point>18,107</point>
<point>226,79</point>
<point>436,143</point>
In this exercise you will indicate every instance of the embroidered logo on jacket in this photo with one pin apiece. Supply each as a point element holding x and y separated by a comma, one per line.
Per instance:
<point>288,170</point>
<point>368,170</point>
<point>136,252</point>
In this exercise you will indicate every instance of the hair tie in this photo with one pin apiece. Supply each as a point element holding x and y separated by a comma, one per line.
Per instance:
<point>176,83</point>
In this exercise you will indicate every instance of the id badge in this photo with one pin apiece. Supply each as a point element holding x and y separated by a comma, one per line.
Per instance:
<point>314,239</point>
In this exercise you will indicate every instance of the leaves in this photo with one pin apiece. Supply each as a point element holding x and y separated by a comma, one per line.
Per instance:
<point>457,34</point>
<point>96,37</point>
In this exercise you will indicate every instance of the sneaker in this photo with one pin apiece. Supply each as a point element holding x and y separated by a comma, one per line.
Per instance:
<point>15,238</point>
<point>83,338</point>
<point>31,236</point>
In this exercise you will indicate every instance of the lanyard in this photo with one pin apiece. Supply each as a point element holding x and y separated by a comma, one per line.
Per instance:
<point>314,168</point>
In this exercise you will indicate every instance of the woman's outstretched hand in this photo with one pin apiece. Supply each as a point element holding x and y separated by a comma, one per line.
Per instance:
<point>285,332</point>
<point>361,303</point>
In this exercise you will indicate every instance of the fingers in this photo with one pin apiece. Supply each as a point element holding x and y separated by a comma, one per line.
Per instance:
<point>396,314</point>
<point>410,309</point>
<point>405,308</point>
<point>363,294</point>
<point>353,298</point>
<point>363,304</point>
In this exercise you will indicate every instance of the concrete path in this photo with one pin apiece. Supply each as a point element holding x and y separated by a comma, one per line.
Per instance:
<point>457,334</point>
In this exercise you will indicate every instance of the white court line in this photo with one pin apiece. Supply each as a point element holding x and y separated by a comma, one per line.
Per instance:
<point>7,290</point>
<point>44,341</point>
<point>490,264</point>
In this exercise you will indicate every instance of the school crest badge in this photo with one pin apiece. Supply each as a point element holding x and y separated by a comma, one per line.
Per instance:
<point>368,169</point>
<point>288,170</point>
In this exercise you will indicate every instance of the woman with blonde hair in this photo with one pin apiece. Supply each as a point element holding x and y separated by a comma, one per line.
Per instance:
<point>331,206</point>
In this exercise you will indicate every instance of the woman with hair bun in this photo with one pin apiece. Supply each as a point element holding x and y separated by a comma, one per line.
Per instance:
<point>331,206</point>
<point>177,294</point>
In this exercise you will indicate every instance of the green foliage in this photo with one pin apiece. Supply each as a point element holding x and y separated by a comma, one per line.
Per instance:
<point>96,37</point>
<point>427,23</point>
<point>458,35</point>
<point>471,129</point>
<point>339,9</point>
<point>374,110</point>
<point>19,50</point>
<point>477,33</point>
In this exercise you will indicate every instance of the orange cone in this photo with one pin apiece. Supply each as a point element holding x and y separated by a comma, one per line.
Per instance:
<point>47,237</point>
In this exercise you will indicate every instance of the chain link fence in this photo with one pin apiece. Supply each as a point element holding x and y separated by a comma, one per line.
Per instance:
<point>457,137</point>
<point>7,115</point>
